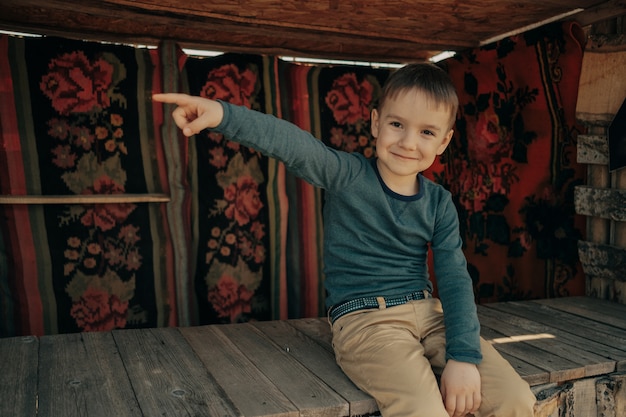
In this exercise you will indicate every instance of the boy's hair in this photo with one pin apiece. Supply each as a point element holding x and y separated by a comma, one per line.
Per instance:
<point>427,78</point>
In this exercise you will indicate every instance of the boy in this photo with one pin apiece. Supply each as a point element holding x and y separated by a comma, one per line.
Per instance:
<point>390,336</point>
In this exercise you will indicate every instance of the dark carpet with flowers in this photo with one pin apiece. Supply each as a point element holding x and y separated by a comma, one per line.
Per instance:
<point>240,238</point>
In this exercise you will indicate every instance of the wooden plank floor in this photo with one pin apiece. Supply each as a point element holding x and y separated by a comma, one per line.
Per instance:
<point>277,368</point>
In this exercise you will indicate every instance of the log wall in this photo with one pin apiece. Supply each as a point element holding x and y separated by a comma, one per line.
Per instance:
<point>603,199</point>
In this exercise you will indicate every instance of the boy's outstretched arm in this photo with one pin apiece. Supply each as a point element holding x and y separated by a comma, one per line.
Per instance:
<point>193,114</point>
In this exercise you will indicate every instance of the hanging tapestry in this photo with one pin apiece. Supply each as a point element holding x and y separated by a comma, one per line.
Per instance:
<point>512,164</point>
<point>76,122</point>
<point>237,199</point>
<point>241,239</point>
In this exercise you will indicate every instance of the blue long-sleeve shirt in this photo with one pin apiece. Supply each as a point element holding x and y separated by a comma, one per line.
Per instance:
<point>375,240</point>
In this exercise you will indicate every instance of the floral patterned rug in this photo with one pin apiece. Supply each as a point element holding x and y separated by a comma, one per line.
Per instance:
<point>80,127</point>
<point>512,164</point>
<point>232,186</point>
<point>241,239</point>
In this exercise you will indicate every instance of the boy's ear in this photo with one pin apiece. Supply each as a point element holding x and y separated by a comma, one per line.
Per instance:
<point>375,123</point>
<point>446,142</point>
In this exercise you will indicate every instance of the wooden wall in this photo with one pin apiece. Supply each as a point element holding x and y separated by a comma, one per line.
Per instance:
<point>603,198</point>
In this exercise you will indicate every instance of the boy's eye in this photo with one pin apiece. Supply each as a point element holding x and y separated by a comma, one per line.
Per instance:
<point>396,124</point>
<point>428,132</point>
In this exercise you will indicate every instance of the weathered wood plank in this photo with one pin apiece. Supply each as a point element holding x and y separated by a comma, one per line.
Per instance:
<point>606,203</point>
<point>529,372</point>
<point>251,392</point>
<point>318,361</point>
<point>167,377</point>
<point>518,357</point>
<point>576,345</point>
<point>18,376</point>
<point>310,394</point>
<point>602,261</point>
<point>618,234</point>
<point>584,401</point>
<point>84,199</point>
<point>592,149</point>
<point>585,328</point>
<point>593,363</point>
<point>504,338</point>
<point>602,84</point>
<point>606,289</point>
<point>576,325</point>
<point>611,395</point>
<point>552,400</point>
<point>598,229</point>
<point>317,329</point>
<point>82,375</point>
<point>602,311</point>
<point>509,314</point>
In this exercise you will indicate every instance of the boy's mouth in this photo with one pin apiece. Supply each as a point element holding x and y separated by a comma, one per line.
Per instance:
<point>405,157</point>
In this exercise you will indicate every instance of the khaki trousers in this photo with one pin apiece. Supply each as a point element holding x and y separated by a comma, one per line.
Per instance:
<point>394,354</point>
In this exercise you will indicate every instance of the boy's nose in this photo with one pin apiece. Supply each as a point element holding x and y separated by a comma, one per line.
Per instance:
<point>409,142</point>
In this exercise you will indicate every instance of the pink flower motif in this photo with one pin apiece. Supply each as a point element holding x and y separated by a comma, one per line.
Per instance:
<point>71,254</point>
<point>350,100</point>
<point>484,136</point>
<point>90,263</point>
<point>229,84</point>
<point>63,157</point>
<point>243,200</point>
<point>229,298</point>
<point>59,128</point>
<point>113,255</point>
<point>73,242</point>
<point>257,230</point>
<point>337,137</point>
<point>526,240</point>
<point>473,191</point>
<point>116,119</point>
<point>105,216</point>
<point>133,260</point>
<point>82,137</point>
<point>94,248</point>
<point>259,254</point>
<point>218,159</point>
<point>98,310</point>
<point>129,234</point>
<point>75,85</point>
<point>245,247</point>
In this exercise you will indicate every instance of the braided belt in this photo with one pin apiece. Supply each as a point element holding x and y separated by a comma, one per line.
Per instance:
<point>372,303</point>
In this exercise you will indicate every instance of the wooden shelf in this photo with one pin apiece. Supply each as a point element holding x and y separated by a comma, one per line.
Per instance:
<point>84,199</point>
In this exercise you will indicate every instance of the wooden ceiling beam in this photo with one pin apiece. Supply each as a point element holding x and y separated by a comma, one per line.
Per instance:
<point>368,30</point>
<point>607,10</point>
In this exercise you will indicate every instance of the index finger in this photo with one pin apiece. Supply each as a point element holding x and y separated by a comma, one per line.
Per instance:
<point>174,98</point>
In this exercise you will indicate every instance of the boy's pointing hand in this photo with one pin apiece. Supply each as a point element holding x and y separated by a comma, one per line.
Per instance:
<point>193,114</point>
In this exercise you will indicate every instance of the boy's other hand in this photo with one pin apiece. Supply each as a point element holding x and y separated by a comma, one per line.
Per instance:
<point>193,114</point>
<point>460,388</point>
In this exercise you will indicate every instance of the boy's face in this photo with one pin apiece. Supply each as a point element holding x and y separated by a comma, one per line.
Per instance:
<point>410,132</point>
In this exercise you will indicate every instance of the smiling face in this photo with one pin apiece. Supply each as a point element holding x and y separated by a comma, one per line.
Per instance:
<point>411,130</point>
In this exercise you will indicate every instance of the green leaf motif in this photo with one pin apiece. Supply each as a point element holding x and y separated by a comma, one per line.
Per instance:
<point>240,272</point>
<point>88,170</point>
<point>119,75</point>
<point>237,167</point>
<point>110,282</point>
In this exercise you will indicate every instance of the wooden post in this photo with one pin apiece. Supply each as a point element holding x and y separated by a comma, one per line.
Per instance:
<point>601,93</point>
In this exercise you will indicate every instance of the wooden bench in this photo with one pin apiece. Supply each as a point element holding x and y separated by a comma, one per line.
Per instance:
<point>572,351</point>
